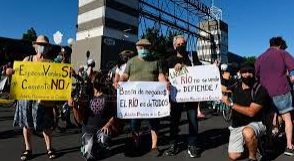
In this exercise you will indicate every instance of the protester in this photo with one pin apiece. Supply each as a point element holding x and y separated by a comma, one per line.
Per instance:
<point>249,104</point>
<point>98,119</point>
<point>177,61</point>
<point>271,70</point>
<point>124,57</point>
<point>62,109</point>
<point>64,55</point>
<point>144,68</point>
<point>35,115</point>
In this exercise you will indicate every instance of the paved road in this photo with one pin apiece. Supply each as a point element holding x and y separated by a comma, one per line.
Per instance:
<point>213,136</point>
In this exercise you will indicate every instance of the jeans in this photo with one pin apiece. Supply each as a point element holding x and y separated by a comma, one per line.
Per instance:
<point>176,111</point>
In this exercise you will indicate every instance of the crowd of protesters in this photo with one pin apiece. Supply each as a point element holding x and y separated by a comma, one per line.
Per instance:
<point>254,93</point>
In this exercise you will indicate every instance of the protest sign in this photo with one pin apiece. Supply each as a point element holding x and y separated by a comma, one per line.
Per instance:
<point>195,84</point>
<point>41,81</point>
<point>137,100</point>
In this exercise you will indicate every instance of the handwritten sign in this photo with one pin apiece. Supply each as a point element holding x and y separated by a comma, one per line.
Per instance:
<point>136,100</point>
<point>41,81</point>
<point>195,84</point>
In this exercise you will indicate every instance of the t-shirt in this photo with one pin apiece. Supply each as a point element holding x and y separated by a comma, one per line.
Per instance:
<point>143,70</point>
<point>99,112</point>
<point>244,98</point>
<point>174,59</point>
<point>271,69</point>
<point>120,70</point>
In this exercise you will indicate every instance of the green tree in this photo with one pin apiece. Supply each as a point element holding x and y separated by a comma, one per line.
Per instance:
<point>161,44</point>
<point>30,35</point>
<point>250,59</point>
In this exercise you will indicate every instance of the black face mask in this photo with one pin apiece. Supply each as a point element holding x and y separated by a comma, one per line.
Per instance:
<point>181,50</point>
<point>248,81</point>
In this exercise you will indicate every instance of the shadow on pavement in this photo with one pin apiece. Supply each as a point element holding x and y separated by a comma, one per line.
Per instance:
<point>10,134</point>
<point>213,138</point>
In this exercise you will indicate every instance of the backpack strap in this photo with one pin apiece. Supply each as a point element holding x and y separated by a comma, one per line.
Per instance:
<point>254,90</point>
<point>31,57</point>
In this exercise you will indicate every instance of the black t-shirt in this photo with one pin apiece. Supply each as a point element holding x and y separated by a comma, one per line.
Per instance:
<point>173,60</point>
<point>98,113</point>
<point>244,98</point>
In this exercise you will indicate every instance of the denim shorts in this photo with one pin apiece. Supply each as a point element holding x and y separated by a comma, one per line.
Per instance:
<point>283,103</point>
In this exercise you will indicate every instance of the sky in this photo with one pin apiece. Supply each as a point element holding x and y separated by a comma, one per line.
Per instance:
<point>251,22</point>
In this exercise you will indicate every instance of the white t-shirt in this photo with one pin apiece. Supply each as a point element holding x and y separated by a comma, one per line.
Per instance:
<point>120,70</point>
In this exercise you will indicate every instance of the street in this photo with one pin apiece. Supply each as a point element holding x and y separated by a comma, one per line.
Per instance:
<point>213,135</point>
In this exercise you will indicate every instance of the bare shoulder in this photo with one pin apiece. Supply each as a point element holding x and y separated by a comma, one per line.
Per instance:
<point>26,58</point>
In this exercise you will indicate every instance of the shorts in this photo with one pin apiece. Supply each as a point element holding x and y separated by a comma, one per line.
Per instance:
<point>283,103</point>
<point>236,142</point>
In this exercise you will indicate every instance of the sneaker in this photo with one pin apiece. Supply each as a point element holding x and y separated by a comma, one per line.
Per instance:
<point>155,152</point>
<point>193,152</point>
<point>172,150</point>
<point>289,152</point>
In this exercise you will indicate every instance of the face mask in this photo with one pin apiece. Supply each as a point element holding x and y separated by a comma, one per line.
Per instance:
<point>181,49</point>
<point>143,53</point>
<point>124,59</point>
<point>248,81</point>
<point>58,59</point>
<point>42,49</point>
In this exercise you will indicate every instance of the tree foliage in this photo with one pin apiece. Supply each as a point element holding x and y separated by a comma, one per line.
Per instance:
<point>162,45</point>
<point>250,59</point>
<point>30,35</point>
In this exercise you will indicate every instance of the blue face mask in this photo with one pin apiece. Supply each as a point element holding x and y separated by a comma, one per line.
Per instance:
<point>143,53</point>
<point>58,59</point>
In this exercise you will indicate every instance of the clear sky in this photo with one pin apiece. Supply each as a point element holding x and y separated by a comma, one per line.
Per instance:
<point>251,22</point>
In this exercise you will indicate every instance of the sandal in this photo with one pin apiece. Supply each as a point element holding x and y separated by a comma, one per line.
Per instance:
<point>51,153</point>
<point>26,155</point>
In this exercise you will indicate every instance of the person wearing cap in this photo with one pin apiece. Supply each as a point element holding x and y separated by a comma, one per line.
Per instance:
<point>178,61</point>
<point>249,104</point>
<point>272,68</point>
<point>36,115</point>
<point>144,68</point>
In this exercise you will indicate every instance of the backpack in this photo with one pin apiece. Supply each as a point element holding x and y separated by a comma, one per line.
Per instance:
<point>89,148</point>
<point>254,90</point>
<point>267,112</point>
<point>95,145</point>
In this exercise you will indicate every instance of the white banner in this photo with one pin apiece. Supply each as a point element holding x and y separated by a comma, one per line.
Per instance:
<point>137,100</point>
<point>195,84</point>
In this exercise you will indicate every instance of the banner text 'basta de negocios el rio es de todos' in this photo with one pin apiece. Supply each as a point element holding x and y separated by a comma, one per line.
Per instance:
<point>137,100</point>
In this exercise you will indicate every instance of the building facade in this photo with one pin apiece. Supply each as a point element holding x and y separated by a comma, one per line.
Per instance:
<point>216,44</point>
<point>104,28</point>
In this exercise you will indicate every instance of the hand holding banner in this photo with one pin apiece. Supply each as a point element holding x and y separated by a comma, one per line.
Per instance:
<point>142,100</point>
<point>41,81</point>
<point>195,84</point>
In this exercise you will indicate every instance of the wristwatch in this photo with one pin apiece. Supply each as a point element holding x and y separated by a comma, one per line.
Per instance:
<point>231,104</point>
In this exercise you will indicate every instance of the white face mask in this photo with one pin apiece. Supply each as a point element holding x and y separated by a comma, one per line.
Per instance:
<point>41,49</point>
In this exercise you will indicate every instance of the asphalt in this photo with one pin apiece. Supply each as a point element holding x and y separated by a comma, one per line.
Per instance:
<point>213,136</point>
